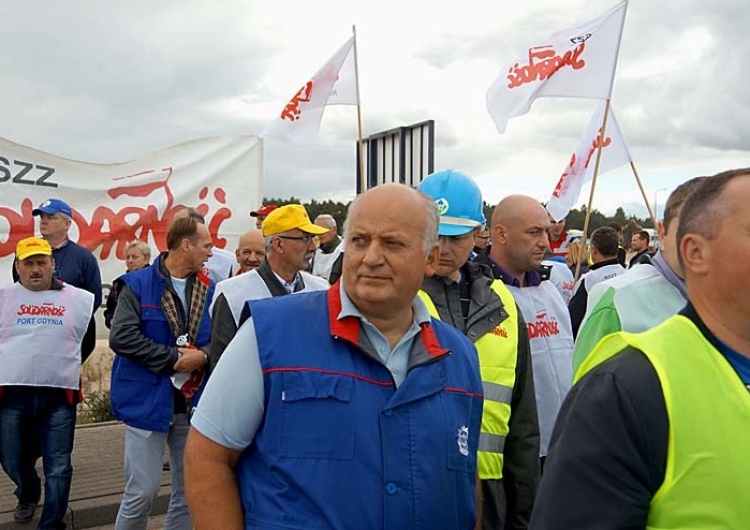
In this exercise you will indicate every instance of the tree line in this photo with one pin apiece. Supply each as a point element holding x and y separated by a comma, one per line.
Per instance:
<point>575,218</point>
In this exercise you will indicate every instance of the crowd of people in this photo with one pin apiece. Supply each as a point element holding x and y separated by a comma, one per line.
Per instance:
<point>427,368</point>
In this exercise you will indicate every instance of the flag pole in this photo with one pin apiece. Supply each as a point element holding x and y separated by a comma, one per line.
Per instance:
<point>651,213</point>
<point>601,145</point>
<point>593,187</point>
<point>360,143</point>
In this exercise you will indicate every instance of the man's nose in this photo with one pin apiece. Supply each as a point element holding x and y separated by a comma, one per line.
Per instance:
<point>373,254</point>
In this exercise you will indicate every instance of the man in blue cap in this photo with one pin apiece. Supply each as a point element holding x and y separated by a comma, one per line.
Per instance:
<point>74,264</point>
<point>464,294</point>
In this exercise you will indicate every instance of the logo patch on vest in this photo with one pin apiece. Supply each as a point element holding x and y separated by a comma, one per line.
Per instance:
<point>500,332</point>
<point>545,326</point>
<point>463,440</point>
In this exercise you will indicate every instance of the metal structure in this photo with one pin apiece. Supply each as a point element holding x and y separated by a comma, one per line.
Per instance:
<point>405,155</point>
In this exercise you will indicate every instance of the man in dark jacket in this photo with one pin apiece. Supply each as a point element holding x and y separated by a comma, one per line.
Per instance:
<point>160,335</point>
<point>639,243</point>
<point>465,295</point>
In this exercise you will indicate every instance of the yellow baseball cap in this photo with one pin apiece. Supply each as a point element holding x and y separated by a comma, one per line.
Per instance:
<point>288,218</point>
<point>32,246</point>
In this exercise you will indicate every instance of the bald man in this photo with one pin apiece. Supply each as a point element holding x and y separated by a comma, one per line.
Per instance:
<point>251,250</point>
<point>350,408</point>
<point>519,243</point>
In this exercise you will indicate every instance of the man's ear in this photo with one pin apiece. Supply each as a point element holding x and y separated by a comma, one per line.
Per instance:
<point>432,260</point>
<point>499,233</point>
<point>695,251</point>
<point>660,230</point>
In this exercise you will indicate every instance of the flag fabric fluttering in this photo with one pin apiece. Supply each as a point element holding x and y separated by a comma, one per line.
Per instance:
<point>580,169</point>
<point>577,62</point>
<point>335,83</point>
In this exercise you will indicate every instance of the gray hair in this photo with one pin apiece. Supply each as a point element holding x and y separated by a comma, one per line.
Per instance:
<point>327,219</point>
<point>268,242</point>
<point>430,238</point>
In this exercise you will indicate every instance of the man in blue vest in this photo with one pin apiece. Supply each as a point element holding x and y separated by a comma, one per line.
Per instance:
<point>347,408</point>
<point>160,335</point>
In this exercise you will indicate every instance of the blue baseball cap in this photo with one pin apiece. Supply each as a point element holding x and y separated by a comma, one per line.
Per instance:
<point>51,206</point>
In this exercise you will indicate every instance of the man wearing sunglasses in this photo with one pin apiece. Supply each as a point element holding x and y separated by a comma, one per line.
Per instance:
<point>289,238</point>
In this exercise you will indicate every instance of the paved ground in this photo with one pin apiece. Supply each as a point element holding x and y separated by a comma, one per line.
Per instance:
<point>155,523</point>
<point>97,481</point>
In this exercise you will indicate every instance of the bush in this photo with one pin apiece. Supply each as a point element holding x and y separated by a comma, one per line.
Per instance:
<point>95,408</point>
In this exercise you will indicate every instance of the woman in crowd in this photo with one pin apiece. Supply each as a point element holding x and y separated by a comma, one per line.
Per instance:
<point>574,253</point>
<point>137,256</point>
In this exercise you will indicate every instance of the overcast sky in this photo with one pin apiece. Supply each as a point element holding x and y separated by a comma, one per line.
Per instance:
<point>103,81</point>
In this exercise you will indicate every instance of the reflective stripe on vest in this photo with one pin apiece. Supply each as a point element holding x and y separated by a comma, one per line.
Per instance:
<point>498,353</point>
<point>706,479</point>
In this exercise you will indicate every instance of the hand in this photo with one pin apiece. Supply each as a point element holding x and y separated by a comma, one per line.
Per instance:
<point>190,359</point>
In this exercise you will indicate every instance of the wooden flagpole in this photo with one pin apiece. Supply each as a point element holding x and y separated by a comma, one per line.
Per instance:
<point>593,187</point>
<point>651,213</point>
<point>360,143</point>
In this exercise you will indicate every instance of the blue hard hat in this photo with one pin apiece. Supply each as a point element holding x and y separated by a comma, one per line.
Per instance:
<point>459,201</point>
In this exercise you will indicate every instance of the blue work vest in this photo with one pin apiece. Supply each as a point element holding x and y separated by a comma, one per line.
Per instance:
<point>340,447</point>
<point>140,397</point>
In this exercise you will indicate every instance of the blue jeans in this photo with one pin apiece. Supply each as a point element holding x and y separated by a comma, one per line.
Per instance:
<point>28,414</point>
<point>144,451</point>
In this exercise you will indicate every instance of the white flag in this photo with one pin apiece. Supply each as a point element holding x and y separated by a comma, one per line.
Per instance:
<point>335,83</point>
<point>577,62</point>
<point>581,166</point>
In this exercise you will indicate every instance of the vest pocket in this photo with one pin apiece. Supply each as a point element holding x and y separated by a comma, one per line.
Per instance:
<point>461,443</point>
<point>316,416</point>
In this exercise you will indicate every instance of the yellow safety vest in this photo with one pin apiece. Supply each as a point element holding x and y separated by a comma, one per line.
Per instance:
<point>498,353</point>
<point>707,479</point>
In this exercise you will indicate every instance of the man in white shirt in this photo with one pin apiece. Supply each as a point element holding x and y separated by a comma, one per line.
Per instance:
<point>330,247</point>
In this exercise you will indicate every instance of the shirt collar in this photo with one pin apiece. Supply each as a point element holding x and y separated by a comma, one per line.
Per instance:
<point>533,278</point>
<point>663,267</point>
<point>348,309</point>
<point>289,286</point>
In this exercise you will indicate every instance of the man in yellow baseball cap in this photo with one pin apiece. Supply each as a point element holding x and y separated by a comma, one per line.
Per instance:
<point>40,391</point>
<point>289,239</point>
<point>288,218</point>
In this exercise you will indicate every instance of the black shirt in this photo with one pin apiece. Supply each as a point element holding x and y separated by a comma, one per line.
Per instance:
<point>608,453</point>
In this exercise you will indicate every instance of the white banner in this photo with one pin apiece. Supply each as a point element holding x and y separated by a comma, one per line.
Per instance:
<point>335,83</point>
<point>581,166</point>
<point>577,62</point>
<point>114,204</point>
